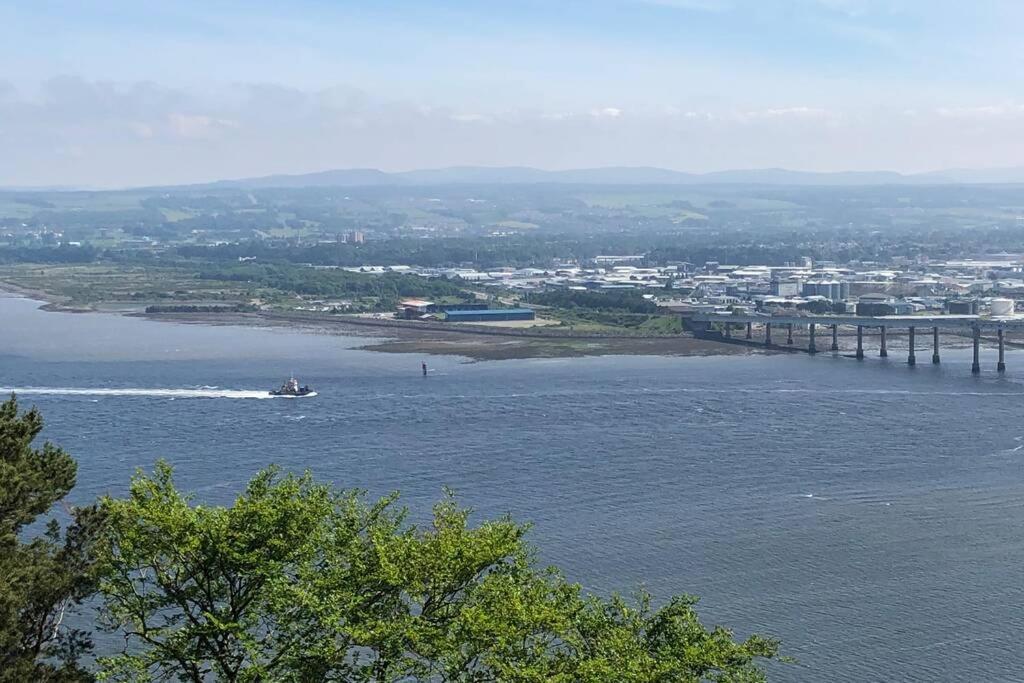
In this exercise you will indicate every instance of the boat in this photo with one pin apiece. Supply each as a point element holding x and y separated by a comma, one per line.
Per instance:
<point>292,388</point>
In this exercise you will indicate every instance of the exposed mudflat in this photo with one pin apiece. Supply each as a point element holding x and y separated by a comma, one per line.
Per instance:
<point>503,348</point>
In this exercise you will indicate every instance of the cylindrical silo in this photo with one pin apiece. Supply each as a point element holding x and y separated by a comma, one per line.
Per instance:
<point>1001,306</point>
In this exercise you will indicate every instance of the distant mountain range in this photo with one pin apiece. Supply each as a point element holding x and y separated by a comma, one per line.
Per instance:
<point>621,175</point>
<point>518,175</point>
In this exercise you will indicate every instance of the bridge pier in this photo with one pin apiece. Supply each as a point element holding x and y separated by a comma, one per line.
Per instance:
<point>729,327</point>
<point>976,366</point>
<point>1001,365</point>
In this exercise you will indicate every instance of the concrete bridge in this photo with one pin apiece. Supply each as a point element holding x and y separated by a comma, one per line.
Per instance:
<point>975,325</point>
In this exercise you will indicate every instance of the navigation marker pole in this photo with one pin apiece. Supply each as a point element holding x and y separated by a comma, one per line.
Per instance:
<point>1001,365</point>
<point>976,366</point>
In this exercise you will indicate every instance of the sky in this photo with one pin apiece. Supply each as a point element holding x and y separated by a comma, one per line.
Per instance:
<point>114,93</point>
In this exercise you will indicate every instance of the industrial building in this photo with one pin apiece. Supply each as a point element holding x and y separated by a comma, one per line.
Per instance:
<point>785,287</point>
<point>962,307</point>
<point>876,305</point>
<point>411,309</point>
<point>834,290</point>
<point>489,315</point>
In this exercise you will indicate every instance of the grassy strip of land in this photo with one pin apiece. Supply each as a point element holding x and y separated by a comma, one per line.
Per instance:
<point>185,286</point>
<point>262,286</point>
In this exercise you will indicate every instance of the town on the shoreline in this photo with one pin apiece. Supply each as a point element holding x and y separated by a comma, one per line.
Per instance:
<point>580,259</point>
<point>957,287</point>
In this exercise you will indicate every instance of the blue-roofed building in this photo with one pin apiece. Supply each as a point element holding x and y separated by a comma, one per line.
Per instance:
<point>489,315</point>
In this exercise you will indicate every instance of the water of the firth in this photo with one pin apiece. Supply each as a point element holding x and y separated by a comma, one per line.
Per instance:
<point>868,514</point>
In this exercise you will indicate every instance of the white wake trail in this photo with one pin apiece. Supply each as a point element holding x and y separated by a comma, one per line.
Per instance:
<point>153,393</point>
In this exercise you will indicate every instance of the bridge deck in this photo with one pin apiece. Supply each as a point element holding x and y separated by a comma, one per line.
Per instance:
<point>967,322</point>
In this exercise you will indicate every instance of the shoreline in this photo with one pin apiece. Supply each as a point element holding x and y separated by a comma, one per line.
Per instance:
<point>386,336</point>
<point>480,343</point>
<point>50,302</point>
<point>476,343</point>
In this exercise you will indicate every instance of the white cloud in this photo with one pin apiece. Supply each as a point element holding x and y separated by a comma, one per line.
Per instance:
<point>141,130</point>
<point>101,134</point>
<point>996,111</point>
<point>470,118</point>
<point>197,127</point>
<point>798,112</point>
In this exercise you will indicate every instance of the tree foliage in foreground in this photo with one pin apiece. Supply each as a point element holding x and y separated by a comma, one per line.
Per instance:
<point>44,578</point>
<point>297,581</point>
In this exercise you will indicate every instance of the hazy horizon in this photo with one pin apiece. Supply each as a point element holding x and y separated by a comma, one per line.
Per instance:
<point>1014,175</point>
<point>112,94</point>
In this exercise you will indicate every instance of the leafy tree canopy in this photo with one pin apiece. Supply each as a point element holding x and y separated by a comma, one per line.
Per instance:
<point>298,581</point>
<point>41,579</point>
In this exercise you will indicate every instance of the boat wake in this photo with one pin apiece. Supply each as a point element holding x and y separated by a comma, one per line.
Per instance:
<point>143,393</point>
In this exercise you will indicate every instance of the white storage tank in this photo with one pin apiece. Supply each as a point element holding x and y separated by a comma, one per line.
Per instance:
<point>1001,306</point>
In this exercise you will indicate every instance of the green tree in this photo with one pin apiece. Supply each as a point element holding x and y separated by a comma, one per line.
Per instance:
<point>297,581</point>
<point>41,579</point>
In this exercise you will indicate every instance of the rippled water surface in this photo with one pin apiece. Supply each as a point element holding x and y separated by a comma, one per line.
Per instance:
<point>868,514</point>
